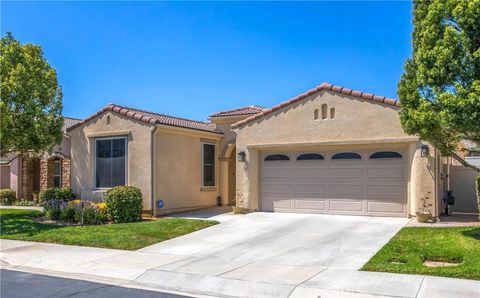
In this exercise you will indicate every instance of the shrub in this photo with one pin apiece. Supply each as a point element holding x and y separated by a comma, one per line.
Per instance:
<point>62,194</point>
<point>67,214</point>
<point>124,204</point>
<point>92,213</point>
<point>7,196</point>
<point>53,208</point>
<point>28,203</point>
<point>478,196</point>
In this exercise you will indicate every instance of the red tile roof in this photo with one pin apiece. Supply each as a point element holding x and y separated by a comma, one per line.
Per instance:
<point>153,118</point>
<point>249,110</point>
<point>322,87</point>
<point>69,122</point>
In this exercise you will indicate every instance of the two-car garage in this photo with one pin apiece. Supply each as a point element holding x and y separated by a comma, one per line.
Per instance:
<point>357,182</point>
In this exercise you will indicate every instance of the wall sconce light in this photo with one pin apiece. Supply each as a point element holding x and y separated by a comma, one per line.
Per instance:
<point>241,156</point>
<point>424,150</point>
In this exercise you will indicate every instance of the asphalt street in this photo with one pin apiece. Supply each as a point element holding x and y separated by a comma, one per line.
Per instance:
<point>16,284</point>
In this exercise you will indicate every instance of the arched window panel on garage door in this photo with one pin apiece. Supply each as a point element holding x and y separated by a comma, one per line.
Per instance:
<point>346,155</point>
<point>385,154</point>
<point>310,156</point>
<point>276,157</point>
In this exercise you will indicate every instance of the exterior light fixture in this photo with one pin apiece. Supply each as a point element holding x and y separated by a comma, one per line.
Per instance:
<point>424,150</point>
<point>241,156</point>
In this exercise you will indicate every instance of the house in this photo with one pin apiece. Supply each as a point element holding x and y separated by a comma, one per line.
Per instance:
<point>329,150</point>
<point>27,175</point>
<point>179,164</point>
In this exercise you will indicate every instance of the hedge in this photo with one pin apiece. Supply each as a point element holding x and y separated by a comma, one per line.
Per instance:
<point>60,194</point>
<point>124,204</point>
<point>7,196</point>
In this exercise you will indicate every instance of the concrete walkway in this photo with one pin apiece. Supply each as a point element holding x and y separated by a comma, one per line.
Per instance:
<point>254,255</point>
<point>37,208</point>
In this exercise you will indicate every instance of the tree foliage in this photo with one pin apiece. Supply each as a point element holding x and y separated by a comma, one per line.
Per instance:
<point>31,99</point>
<point>440,88</point>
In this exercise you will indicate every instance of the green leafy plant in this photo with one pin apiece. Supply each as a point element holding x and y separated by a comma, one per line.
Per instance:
<point>124,204</point>
<point>439,91</point>
<point>91,213</point>
<point>67,214</point>
<point>52,213</point>
<point>31,100</point>
<point>27,203</point>
<point>62,194</point>
<point>7,196</point>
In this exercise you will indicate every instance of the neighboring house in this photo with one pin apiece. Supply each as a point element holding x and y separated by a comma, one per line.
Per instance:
<point>29,175</point>
<point>329,150</point>
<point>472,157</point>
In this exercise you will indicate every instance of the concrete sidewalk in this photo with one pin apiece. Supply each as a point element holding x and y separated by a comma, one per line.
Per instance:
<point>217,277</point>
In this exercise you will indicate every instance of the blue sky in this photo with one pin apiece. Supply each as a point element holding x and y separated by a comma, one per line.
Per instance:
<point>192,59</point>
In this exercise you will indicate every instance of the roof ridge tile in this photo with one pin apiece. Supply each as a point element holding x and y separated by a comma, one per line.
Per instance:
<point>325,86</point>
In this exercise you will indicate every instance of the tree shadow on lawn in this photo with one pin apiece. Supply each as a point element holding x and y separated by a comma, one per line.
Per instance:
<point>22,223</point>
<point>473,233</point>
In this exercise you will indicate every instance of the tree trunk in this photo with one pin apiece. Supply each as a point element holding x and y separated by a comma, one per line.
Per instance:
<point>465,163</point>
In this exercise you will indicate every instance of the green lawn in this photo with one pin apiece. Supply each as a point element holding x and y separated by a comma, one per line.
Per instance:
<point>19,225</point>
<point>406,252</point>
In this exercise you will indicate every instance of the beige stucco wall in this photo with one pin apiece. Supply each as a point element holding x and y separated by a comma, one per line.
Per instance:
<point>138,154</point>
<point>178,170</point>
<point>357,124</point>
<point>227,157</point>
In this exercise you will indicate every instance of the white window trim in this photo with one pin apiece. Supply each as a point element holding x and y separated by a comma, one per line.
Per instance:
<point>95,161</point>
<point>202,181</point>
<point>59,162</point>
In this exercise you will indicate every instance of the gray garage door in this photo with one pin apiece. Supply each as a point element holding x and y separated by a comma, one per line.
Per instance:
<point>368,182</point>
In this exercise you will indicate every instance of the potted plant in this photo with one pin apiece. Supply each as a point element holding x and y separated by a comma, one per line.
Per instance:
<point>35,196</point>
<point>424,215</point>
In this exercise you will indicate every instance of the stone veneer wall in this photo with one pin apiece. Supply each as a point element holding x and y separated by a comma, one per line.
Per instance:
<point>43,173</point>
<point>27,178</point>
<point>46,173</point>
<point>65,173</point>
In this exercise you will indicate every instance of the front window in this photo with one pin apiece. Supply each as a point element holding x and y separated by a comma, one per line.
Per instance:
<point>57,173</point>
<point>208,160</point>
<point>110,162</point>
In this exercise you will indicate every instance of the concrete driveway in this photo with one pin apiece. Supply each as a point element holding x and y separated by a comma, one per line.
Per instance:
<point>254,255</point>
<point>269,254</point>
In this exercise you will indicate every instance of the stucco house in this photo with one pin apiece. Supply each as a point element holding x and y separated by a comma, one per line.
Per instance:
<point>179,164</point>
<point>26,175</point>
<point>328,150</point>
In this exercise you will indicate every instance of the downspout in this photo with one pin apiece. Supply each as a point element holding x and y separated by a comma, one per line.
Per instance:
<point>153,131</point>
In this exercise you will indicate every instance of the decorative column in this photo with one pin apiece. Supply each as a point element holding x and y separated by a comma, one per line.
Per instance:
<point>27,178</point>
<point>43,173</point>
<point>65,173</point>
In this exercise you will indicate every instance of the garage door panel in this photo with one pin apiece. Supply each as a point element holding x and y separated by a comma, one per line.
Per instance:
<point>346,172</point>
<point>346,205</point>
<point>311,172</point>
<point>314,189</point>
<point>311,180</point>
<point>386,172</point>
<point>305,204</point>
<point>355,187</point>
<point>385,207</point>
<point>277,172</point>
<point>271,188</point>
<point>385,190</point>
<point>346,189</point>
<point>282,203</point>
<point>277,180</point>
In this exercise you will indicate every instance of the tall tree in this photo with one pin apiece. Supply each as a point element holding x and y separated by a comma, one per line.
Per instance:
<point>31,99</point>
<point>440,88</point>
